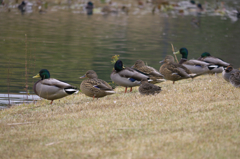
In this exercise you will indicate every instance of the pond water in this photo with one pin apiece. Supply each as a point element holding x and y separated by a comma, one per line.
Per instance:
<point>69,44</point>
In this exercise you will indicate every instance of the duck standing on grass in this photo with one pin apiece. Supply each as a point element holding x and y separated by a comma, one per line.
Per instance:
<point>195,66</point>
<point>153,74</point>
<point>148,88</point>
<point>126,77</point>
<point>50,88</point>
<point>173,71</point>
<point>94,87</point>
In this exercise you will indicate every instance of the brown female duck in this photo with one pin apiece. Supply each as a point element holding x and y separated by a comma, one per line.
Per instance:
<point>94,87</point>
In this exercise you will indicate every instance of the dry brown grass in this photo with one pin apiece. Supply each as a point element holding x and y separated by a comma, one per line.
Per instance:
<point>191,119</point>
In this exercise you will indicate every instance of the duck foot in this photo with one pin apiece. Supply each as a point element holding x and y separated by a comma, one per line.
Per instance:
<point>125,89</point>
<point>173,82</point>
<point>51,102</point>
<point>131,89</point>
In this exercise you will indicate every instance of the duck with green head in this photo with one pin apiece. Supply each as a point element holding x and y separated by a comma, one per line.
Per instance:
<point>50,88</point>
<point>174,71</point>
<point>125,76</point>
<point>195,66</point>
<point>94,87</point>
<point>221,65</point>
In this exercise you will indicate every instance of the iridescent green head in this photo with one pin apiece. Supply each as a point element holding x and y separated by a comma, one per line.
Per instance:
<point>44,74</point>
<point>118,66</point>
<point>184,52</point>
<point>205,54</point>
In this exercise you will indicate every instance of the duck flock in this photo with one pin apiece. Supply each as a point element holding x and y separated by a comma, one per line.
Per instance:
<point>138,75</point>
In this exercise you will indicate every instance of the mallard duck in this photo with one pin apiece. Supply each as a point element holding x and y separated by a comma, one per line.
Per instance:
<point>148,88</point>
<point>50,88</point>
<point>173,71</point>
<point>153,74</point>
<point>206,57</point>
<point>227,72</point>
<point>195,66</point>
<point>126,77</point>
<point>234,79</point>
<point>94,87</point>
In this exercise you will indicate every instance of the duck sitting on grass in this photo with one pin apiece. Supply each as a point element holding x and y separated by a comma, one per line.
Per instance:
<point>148,88</point>
<point>173,71</point>
<point>221,65</point>
<point>50,88</point>
<point>126,77</point>
<point>195,66</point>
<point>153,74</point>
<point>227,72</point>
<point>234,79</point>
<point>94,87</point>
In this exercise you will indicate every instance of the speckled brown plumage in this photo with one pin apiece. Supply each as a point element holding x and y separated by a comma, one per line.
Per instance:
<point>153,74</point>
<point>234,79</point>
<point>94,87</point>
<point>148,88</point>
<point>173,71</point>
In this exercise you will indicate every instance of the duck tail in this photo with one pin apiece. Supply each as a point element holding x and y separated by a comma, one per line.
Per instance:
<point>71,90</point>
<point>210,67</point>
<point>110,92</point>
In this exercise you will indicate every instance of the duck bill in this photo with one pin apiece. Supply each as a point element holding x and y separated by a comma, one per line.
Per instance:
<point>161,61</point>
<point>84,76</point>
<point>37,76</point>
<point>178,52</point>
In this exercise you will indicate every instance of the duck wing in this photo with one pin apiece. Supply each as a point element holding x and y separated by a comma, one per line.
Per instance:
<point>182,69</point>
<point>194,62</point>
<point>99,84</point>
<point>131,73</point>
<point>56,83</point>
<point>149,71</point>
<point>215,61</point>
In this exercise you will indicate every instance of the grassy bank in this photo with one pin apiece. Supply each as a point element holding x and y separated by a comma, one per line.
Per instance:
<point>191,119</point>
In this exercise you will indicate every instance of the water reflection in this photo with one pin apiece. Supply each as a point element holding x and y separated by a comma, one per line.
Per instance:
<point>14,99</point>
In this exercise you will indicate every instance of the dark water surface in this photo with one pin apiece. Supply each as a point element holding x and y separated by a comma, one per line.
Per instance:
<point>69,44</point>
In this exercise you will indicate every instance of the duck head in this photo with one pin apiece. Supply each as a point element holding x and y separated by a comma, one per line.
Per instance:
<point>168,59</point>
<point>118,66</point>
<point>205,54</point>
<point>138,63</point>
<point>228,69</point>
<point>90,74</point>
<point>183,51</point>
<point>44,74</point>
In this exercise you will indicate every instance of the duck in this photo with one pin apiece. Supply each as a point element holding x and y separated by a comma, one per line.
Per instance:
<point>95,87</point>
<point>173,71</point>
<point>227,72</point>
<point>148,88</point>
<point>154,75</point>
<point>51,88</point>
<point>234,79</point>
<point>126,76</point>
<point>195,66</point>
<point>221,65</point>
